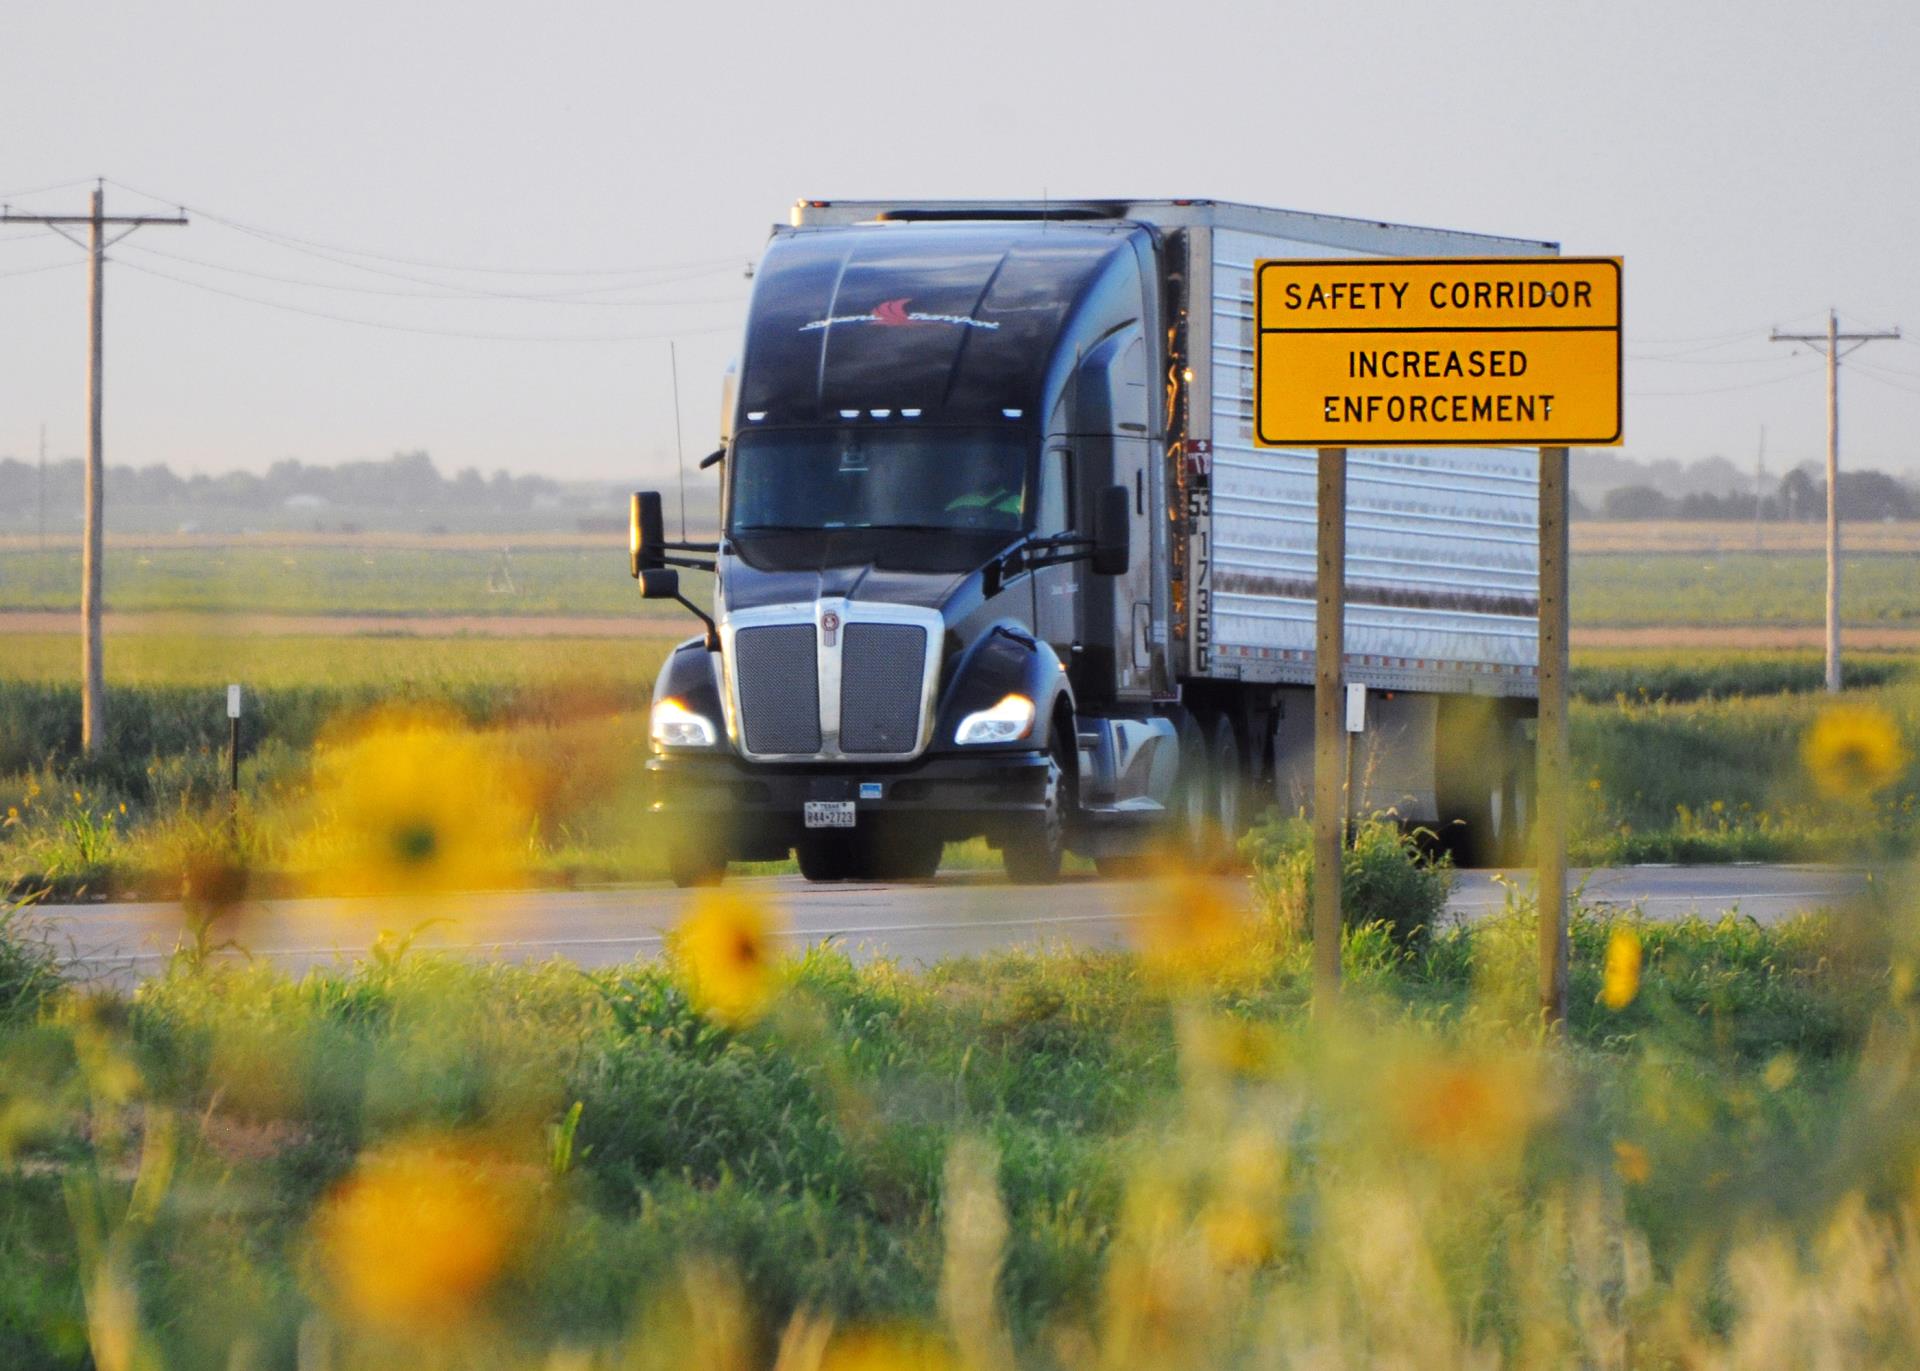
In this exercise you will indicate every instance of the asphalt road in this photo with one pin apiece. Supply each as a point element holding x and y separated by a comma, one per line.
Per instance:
<point>957,915</point>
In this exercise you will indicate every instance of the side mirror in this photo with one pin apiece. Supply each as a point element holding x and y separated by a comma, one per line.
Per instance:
<point>1113,531</point>
<point>659,583</point>
<point>646,531</point>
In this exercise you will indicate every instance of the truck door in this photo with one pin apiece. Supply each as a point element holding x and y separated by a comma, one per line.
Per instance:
<point>1056,595</point>
<point>1126,380</point>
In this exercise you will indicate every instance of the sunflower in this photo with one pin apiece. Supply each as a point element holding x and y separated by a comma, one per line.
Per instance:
<point>414,1239</point>
<point>724,954</point>
<point>1190,931</point>
<point>1853,750</point>
<point>1631,1161</point>
<point>1620,974</point>
<point>414,803</point>
<point>888,1349</point>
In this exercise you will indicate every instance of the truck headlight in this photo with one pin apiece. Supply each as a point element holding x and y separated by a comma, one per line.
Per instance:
<point>674,725</point>
<point>1007,722</point>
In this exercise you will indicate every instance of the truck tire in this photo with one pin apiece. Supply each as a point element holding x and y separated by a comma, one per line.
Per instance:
<point>1033,852</point>
<point>901,854</point>
<point>1227,776</point>
<point>828,855</point>
<point>695,864</point>
<point>1193,789</point>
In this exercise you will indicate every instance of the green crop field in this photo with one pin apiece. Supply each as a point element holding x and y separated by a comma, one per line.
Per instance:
<point>1615,589</point>
<point>394,663</point>
<point>267,578</point>
<point>1689,756</point>
<point>1741,588</point>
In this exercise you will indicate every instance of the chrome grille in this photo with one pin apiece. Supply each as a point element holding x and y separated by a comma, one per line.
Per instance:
<point>881,673</point>
<point>779,686</point>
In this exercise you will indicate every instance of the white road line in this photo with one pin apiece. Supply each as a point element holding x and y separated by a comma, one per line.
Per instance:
<point>653,939</point>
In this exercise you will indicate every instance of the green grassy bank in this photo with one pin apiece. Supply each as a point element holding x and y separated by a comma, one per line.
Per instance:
<point>1060,1161</point>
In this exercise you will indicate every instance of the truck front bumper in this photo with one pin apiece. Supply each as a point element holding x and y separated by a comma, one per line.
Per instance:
<point>758,809</point>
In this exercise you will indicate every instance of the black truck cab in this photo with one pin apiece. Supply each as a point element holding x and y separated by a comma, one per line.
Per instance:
<point>936,567</point>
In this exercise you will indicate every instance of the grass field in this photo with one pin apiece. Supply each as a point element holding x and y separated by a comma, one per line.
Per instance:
<point>1073,1162</point>
<point>1741,588</point>
<point>1679,757</point>
<point>457,577</point>
<point>1733,535</point>
<point>394,662</point>
<point>374,578</point>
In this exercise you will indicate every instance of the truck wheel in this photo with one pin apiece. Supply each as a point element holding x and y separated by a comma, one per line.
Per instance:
<point>1033,853</point>
<point>902,855</point>
<point>828,856</point>
<point>1193,789</point>
<point>1229,789</point>
<point>695,864</point>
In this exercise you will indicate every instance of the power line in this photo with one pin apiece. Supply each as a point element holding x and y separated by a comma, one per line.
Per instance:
<point>653,336</point>
<point>319,247</point>
<point>482,297</point>
<point>41,190</point>
<point>1734,335</point>
<point>1677,360</point>
<point>1722,390</point>
<point>1875,376</point>
<point>32,271</point>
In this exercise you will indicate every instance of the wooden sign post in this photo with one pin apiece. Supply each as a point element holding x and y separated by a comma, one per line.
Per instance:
<point>1329,739</point>
<point>1438,352</point>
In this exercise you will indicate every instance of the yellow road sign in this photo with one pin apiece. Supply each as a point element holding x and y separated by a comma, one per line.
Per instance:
<point>1422,351</point>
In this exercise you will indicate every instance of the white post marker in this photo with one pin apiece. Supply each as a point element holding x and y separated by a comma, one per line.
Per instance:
<point>233,744</point>
<point>1356,707</point>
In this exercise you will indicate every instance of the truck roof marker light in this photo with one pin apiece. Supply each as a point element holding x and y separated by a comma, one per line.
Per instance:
<point>754,416</point>
<point>1013,413</point>
<point>909,414</point>
<point>849,414</point>
<point>881,413</point>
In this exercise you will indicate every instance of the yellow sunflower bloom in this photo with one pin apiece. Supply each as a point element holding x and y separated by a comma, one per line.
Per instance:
<point>1468,1108</point>
<point>726,959</point>
<point>1853,750</point>
<point>413,1240</point>
<point>888,1349</point>
<point>1191,931</point>
<point>1631,1161</point>
<point>414,803</point>
<point>1620,975</point>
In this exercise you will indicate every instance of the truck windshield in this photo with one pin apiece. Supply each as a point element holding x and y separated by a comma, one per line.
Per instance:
<point>888,476</point>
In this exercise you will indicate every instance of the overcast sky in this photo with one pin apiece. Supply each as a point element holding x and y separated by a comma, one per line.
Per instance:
<point>1753,162</point>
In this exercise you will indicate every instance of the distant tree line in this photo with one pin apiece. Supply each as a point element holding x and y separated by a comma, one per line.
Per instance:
<point>1800,496</point>
<point>404,490</point>
<point>404,479</point>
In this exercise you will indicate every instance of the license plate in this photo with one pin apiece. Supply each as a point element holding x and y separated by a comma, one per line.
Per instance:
<point>829,813</point>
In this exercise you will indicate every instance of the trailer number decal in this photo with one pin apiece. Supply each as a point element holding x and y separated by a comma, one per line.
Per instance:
<point>1437,351</point>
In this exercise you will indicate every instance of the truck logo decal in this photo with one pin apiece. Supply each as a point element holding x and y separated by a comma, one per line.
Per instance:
<point>895,314</point>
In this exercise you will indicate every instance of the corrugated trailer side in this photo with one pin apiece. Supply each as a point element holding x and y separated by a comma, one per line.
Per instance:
<point>1442,543</point>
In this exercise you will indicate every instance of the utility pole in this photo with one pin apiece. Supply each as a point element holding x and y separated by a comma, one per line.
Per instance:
<point>93,688</point>
<point>43,488</point>
<point>1830,342</point>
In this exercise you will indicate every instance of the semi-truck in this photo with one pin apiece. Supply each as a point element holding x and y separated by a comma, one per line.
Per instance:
<point>999,558</point>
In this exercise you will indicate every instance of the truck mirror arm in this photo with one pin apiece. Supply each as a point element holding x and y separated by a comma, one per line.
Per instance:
<point>713,631</point>
<point>714,458</point>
